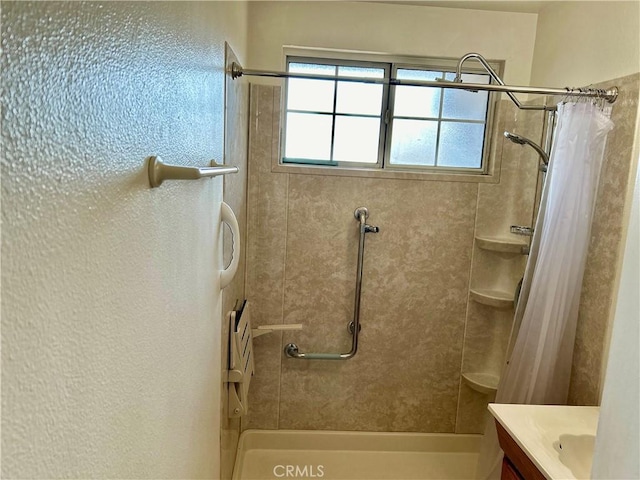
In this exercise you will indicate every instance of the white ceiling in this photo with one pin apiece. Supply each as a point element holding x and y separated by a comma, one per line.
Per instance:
<point>521,6</point>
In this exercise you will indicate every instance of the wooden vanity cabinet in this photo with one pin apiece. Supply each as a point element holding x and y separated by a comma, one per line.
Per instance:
<point>515,465</point>
<point>509,472</point>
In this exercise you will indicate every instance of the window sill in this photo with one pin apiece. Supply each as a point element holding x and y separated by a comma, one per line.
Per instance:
<point>431,176</point>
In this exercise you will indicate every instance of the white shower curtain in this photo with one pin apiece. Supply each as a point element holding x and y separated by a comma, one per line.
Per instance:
<point>540,353</point>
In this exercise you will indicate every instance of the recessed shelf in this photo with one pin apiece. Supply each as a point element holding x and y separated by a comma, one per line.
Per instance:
<point>502,244</point>
<point>492,298</point>
<point>486,383</point>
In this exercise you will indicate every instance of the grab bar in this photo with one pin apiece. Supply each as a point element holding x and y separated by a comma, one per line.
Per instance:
<point>291,350</point>
<point>159,171</point>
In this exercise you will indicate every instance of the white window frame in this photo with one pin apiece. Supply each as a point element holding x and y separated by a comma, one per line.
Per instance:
<point>297,55</point>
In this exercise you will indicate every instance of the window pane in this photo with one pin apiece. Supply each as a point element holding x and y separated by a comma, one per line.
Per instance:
<point>417,101</point>
<point>308,136</point>
<point>461,144</point>
<point>359,98</point>
<point>413,142</point>
<point>311,95</point>
<point>356,139</point>
<point>460,104</point>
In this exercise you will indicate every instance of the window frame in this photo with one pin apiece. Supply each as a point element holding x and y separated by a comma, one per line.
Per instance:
<point>488,123</point>
<point>391,64</point>
<point>379,165</point>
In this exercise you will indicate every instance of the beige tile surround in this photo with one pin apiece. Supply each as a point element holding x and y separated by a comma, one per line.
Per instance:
<point>415,341</point>
<point>605,250</point>
<point>511,202</point>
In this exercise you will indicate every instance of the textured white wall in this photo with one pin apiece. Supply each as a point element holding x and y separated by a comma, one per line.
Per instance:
<point>110,299</point>
<point>398,29</point>
<point>580,43</point>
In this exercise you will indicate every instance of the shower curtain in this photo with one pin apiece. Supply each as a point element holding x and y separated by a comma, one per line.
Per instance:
<point>540,353</point>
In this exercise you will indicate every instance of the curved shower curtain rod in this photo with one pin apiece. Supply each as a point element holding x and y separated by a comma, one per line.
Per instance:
<point>610,95</point>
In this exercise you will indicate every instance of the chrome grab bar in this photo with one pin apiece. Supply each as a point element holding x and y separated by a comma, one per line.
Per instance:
<point>159,171</point>
<point>291,350</point>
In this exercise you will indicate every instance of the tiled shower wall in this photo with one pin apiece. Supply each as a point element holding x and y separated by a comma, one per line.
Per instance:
<point>301,269</point>
<point>419,329</point>
<point>510,202</point>
<point>605,249</point>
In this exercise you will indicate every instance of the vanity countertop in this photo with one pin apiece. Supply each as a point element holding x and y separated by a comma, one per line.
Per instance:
<point>559,440</point>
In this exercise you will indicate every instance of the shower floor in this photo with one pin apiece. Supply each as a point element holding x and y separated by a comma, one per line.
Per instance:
<point>264,454</point>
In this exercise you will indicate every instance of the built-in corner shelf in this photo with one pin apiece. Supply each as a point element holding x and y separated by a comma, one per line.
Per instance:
<point>502,244</point>
<point>486,383</point>
<point>492,298</point>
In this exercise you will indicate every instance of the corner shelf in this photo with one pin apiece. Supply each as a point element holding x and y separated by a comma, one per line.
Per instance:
<point>502,244</point>
<point>486,383</point>
<point>492,298</point>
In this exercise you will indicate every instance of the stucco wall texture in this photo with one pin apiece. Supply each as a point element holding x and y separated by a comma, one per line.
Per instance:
<point>110,297</point>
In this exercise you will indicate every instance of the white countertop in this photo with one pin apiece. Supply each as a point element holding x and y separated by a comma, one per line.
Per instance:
<point>559,440</point>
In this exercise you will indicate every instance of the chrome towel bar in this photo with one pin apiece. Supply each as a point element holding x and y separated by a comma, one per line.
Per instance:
<point>159,171</point>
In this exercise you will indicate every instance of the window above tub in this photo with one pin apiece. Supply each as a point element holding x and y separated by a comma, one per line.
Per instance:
<point>346,125</point>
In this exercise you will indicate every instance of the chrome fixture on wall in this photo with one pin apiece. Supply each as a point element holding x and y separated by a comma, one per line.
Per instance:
<point>291,350</point>
<point>497,79</point>
<point>521,230</point>
<point>158,171</point>
<point>520,140</point>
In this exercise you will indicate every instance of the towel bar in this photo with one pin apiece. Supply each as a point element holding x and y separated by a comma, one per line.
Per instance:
<point>159,171</point>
